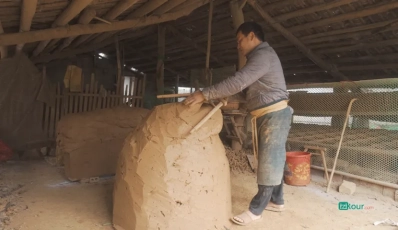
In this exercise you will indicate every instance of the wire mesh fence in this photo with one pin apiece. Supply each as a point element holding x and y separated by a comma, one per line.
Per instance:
<point>370,142</point>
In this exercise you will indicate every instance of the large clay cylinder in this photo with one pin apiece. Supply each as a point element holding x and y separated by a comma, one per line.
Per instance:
<point>169,179</point>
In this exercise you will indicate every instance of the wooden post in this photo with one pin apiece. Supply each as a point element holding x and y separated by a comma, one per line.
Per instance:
<point>208,75</point>
<point>28,10</point>
<point>3,49</point>
<point>161,56</point>
<point>177,84</point>
<point>237,19</point>
<point>119,90</point>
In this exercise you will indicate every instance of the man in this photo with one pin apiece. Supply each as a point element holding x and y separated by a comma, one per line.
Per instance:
<point>263,80</point>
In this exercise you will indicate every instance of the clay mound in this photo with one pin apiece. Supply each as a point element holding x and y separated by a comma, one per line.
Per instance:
<point>89,143</point>
<point>169,180</point>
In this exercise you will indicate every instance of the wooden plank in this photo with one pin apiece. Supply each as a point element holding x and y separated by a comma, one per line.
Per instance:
<point>100,98</point>
<point>75,110</point>
<point>96,95</point>
<point>108,99</point>
<point>90,98</point>
<point>86,98</point>
<point>143,91</point>
<point>57,108</point>
<point>139,92</point>
<point>71,101</point>
<point>136,83</point>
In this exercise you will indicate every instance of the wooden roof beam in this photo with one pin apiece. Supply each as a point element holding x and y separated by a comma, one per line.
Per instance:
<point>190,41</point>
<point>151,58</point>
<point>147,8</point>
<point>3,49</point>
<point>332,70</point>
<point>85,18</point>
<point>28,10</point>
<point>75,30</point>
<point>168,6</point>
<point>344,17</point>
<point>310,10</point>
<point>73,9</point>
<point>111,15</point>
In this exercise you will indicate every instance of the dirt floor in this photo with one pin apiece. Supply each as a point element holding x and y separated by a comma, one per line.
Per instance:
<point>34,195</point>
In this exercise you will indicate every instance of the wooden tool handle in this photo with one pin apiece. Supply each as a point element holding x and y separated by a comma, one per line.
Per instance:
<point>173,95</point>
<point>207,117</point>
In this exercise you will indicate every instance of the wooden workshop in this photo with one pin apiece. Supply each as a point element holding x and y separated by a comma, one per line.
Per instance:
<point>94,132</point>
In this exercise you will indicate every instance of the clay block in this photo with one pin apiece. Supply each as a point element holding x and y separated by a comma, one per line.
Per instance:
<point>347,187</point>
<point>169,179</point>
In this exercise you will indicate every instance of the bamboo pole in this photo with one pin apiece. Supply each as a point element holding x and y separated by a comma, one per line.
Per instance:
<point>161,55</point>
<point>28,10</point>
<point>340,142</point>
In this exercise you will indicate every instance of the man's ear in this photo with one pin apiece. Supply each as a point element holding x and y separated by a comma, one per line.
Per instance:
<point>251,36</point>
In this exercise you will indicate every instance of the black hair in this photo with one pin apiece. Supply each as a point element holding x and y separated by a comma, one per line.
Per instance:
<point>247,27</point>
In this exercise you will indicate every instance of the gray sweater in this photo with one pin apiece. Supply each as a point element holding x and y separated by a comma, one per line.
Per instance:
<point>262,76</point>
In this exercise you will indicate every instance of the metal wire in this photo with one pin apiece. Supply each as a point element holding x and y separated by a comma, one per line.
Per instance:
<point>370,142</point>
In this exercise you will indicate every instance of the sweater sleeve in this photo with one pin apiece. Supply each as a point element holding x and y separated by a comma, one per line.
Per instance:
<point>254,69</point>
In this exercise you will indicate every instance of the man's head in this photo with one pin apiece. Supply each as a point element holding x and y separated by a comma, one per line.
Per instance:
<point>249,35</point>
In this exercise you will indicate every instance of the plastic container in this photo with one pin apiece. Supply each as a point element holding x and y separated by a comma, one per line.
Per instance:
<point>299,164</point>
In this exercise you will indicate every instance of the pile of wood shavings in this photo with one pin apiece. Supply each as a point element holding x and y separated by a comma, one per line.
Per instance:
<point>238,161</point>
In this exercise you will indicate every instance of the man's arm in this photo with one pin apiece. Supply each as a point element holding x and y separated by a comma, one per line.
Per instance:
<point>256,67</point>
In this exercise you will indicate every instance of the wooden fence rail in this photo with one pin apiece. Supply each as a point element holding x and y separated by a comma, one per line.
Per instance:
<point>91,98</point>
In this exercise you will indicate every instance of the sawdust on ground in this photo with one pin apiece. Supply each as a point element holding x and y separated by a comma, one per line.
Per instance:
<point>238,161</point>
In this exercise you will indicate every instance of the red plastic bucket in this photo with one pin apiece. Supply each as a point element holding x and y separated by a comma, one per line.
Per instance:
<point>299,164</point>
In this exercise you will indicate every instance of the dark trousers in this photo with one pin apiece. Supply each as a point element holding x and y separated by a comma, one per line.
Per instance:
<point>264,195</point>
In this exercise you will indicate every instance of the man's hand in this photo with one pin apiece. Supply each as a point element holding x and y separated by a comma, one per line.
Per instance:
<point>195,98</point>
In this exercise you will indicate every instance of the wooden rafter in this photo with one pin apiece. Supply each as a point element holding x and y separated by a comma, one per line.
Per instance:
<point>73,9</point>
<point>145,56</point>
<point>111,15</point>
<point>89,48</point>
<point>344,17</point>
<point>168,6</point>
<point>3,49</point>
<point>310,10</point>
<point>332,70</point>
<point>75,30</point>
<point>86,17</point>
<point>147,8</point>
<point>190,41</point>
<point>28,10</point>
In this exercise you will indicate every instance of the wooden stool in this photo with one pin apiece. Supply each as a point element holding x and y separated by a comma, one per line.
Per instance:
<point>322,154</point>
